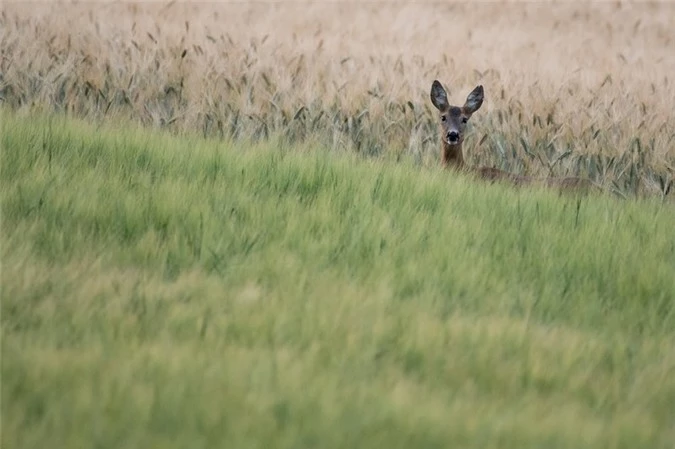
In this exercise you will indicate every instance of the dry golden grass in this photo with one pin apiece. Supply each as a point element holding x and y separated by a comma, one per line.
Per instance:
<point>571,88</point>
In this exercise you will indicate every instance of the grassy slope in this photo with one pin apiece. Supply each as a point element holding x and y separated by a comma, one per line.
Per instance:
<point>174,292</point>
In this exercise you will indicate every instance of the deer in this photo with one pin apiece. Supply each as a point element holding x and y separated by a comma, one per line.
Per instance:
<point>453,121</point>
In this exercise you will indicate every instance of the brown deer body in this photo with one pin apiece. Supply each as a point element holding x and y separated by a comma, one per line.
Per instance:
<point>453,125</point>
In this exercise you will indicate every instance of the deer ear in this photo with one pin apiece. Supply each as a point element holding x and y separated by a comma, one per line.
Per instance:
<point>438,96</point>
<point>474,100</point>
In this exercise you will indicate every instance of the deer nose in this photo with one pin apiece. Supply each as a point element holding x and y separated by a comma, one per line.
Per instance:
<point>453,136</point>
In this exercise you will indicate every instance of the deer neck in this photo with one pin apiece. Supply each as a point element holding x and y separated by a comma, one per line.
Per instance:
<point>451,155</point>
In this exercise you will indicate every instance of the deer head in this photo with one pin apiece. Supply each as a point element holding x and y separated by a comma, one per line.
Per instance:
<point>454,120</point>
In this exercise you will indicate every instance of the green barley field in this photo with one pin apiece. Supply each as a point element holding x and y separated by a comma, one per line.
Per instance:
<point>166,291</point>
<point>224,224</point>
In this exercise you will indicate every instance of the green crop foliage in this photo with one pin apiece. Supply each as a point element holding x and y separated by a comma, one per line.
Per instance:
<point>163,291</point>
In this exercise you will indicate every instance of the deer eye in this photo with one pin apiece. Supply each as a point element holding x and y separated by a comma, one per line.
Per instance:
<point>442,118</point>
<point>464,120</point>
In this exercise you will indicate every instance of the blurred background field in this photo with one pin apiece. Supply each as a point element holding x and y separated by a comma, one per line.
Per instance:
<point>577,88</point>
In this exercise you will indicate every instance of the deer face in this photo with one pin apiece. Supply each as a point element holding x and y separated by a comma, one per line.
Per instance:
<point>454,118</point>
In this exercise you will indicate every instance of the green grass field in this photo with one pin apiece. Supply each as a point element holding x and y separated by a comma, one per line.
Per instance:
<point>176,292</point>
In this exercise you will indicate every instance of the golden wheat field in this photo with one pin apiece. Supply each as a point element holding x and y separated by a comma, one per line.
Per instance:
<point>581,88</point>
